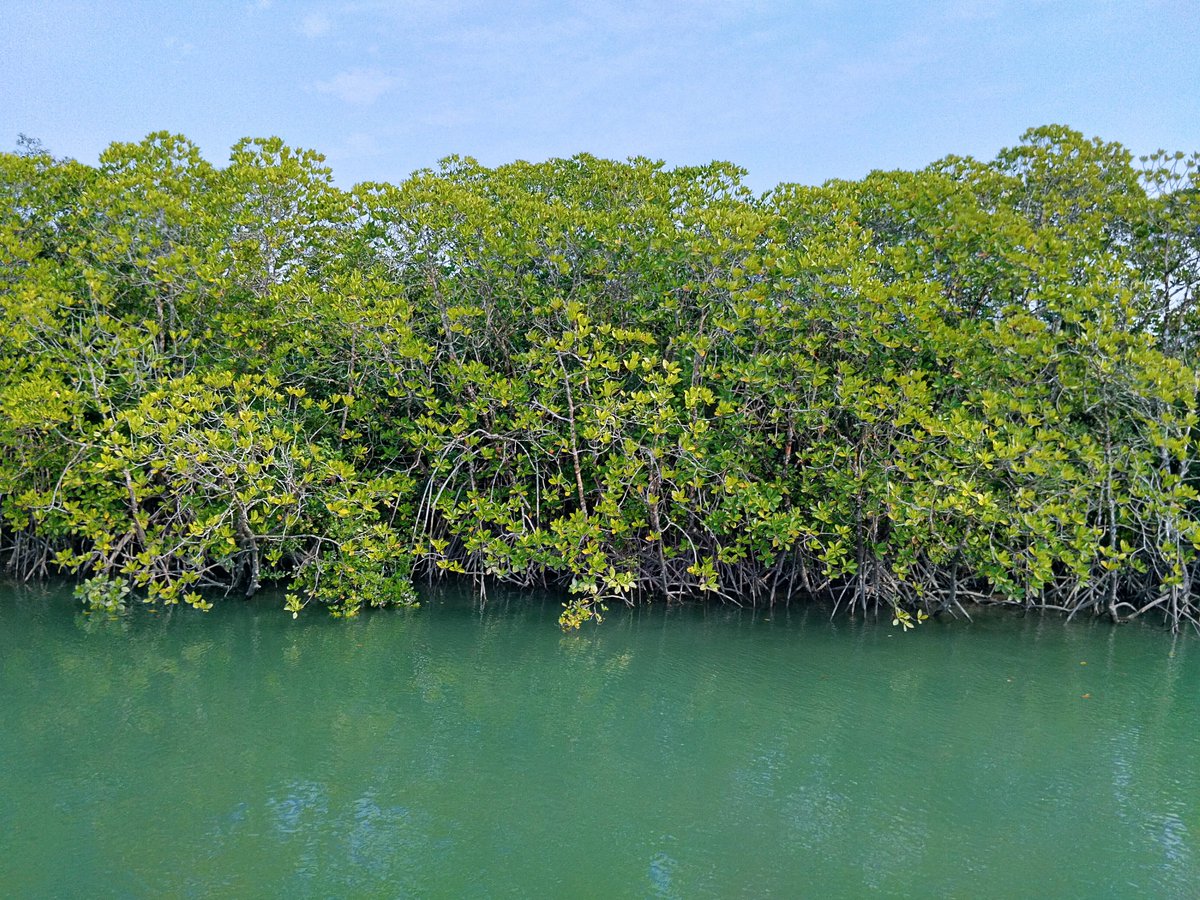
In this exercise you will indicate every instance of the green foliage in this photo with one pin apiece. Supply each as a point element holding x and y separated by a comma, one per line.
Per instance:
<point>103,594</point>
<point>975,382</point>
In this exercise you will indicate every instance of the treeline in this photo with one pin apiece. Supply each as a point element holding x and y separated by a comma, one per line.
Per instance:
<point>975,382</point>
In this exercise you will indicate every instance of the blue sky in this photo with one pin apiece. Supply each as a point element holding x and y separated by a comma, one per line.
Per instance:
<point>792,91</point>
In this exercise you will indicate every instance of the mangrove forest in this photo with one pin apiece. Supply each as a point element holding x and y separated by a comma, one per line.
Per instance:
<point>973,383</point>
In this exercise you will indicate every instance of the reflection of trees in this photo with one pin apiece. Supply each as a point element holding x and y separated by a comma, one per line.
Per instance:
<point>673,749</point>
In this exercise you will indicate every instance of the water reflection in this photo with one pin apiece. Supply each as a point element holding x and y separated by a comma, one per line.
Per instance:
<point>477,751</point>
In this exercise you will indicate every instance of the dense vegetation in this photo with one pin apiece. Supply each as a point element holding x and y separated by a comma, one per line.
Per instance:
<point>975,382</point>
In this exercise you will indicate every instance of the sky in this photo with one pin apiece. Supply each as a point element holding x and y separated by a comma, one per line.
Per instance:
<point>798,91</point>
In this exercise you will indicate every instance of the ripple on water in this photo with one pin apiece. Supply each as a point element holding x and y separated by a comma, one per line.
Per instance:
<point>682,752</point>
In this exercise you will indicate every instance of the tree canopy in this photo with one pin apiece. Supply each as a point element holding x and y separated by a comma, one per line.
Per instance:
<point>973,382</point>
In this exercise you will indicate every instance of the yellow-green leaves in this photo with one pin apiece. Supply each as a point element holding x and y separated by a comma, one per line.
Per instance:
<point>974,382</point>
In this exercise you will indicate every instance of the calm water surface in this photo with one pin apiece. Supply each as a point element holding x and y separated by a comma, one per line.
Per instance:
<point>453,751</point>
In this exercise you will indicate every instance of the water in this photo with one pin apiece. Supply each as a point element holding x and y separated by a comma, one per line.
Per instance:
<point>689,752</point>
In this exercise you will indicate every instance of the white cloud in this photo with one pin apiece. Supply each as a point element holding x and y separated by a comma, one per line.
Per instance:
<point>182,48</point>
<point>360,87</point>
<point>450,118</point>
<point>315,24</point>
<point>359,144</point>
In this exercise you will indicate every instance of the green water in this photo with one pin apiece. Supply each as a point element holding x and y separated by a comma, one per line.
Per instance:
<point>716,752</point>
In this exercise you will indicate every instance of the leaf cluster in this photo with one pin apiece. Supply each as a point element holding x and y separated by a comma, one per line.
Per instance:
<point>974,382</point>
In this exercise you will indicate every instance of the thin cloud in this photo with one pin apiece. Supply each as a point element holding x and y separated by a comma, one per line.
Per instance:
<point>314,25</point>
<point>358,145</point>
<point>359,87</point>
<point>182,48</point>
